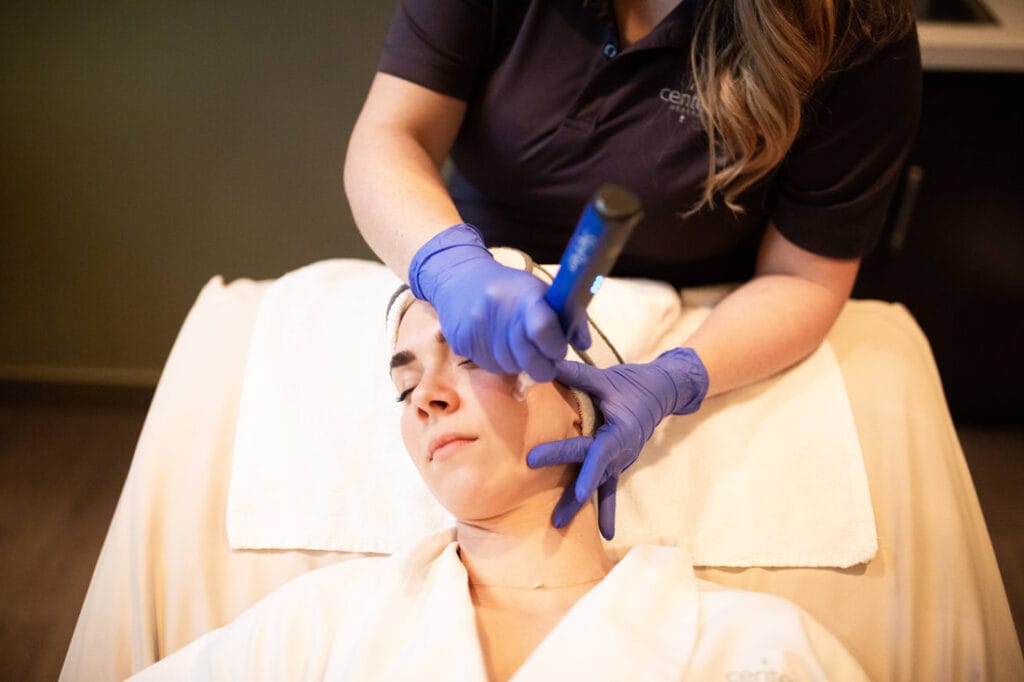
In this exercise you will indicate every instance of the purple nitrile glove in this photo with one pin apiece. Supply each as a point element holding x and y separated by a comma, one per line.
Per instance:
<point>493,314</point>
<point>633,399</point>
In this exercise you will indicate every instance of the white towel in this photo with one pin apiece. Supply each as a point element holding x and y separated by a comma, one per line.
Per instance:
<point>769,475</point>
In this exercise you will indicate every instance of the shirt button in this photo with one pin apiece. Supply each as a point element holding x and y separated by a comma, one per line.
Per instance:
<point>610,50</point>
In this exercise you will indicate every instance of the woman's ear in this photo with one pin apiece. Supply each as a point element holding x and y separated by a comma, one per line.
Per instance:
<point>572,403</point>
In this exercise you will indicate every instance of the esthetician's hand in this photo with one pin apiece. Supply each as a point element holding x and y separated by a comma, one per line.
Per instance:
<point>632,399</point>
<point>492,314</point>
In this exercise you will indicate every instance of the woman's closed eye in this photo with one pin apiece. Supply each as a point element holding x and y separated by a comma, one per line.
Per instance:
<point>465,363</point>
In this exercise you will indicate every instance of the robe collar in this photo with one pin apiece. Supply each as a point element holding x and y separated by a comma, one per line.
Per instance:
<point>640,622</point>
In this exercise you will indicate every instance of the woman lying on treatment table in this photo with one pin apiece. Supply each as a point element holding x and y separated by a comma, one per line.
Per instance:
<point>504,594</point>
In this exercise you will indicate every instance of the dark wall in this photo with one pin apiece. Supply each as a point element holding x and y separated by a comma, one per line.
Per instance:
<point>960,270</point>
<point>149,146</point>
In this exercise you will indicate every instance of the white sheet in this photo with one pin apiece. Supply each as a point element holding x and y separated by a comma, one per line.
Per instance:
<point>410,617</point>
<point>770,475</point>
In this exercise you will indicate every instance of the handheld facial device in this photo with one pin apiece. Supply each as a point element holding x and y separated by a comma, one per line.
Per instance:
<point>600,235</point>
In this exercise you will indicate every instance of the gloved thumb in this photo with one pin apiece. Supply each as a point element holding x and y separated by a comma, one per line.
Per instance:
<point>569,451</point>
<point>606,507</point>
<point>580,336</point>
<point>541,325</point>
<point>566,509</point>
<point>577,375</point>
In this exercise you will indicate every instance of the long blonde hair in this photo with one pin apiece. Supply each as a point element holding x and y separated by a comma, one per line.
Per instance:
<point>756,61</point>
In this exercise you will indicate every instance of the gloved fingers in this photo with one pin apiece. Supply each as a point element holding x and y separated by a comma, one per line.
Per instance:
<point>543,329</point>
<point>566,509</point>
<point>528,358</point>
<point>485,362</point>
<point>539,368</point>
<point>500,346</point>
<point>606,507</point>
<point>577,375</point>
<point>599,456</point>
<point>459,333</point>
<point>580,337</point>
<point>569,451</point>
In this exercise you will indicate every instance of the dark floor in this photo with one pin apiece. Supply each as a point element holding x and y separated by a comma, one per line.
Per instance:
<point>64,458</point>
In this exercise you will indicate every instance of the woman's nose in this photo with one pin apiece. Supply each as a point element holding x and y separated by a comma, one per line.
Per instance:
<point>435,394</point>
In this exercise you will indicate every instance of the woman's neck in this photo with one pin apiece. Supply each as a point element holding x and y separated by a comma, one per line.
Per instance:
<point>525,575</point>
<point>637,18</point>
<point>521,550</point>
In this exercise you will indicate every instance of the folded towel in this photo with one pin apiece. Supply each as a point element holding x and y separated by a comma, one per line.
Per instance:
<point>768,475</point>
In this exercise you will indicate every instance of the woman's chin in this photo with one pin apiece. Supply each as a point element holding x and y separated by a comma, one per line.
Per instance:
<point>473,490</point>
<point>473,506</point>
<point>478,502</point>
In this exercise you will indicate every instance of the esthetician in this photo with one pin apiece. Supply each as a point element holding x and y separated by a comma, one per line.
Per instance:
<point>765,140</point>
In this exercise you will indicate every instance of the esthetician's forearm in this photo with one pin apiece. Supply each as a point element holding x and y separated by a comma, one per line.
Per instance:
<point>392,181</point>
<point>762,328</point>
<point>776,319</point>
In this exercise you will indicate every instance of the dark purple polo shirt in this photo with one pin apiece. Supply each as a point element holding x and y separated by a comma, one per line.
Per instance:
<point>556,108</point>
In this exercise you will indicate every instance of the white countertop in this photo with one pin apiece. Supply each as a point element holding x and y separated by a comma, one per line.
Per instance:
<point>976,47</point>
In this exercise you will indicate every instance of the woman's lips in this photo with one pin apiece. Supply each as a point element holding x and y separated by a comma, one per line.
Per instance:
<point>445,446</point>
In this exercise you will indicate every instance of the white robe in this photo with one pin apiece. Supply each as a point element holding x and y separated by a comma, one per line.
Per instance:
<point>410,617</point>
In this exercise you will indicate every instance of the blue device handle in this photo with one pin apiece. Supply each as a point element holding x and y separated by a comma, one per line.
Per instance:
<point>600,235</point>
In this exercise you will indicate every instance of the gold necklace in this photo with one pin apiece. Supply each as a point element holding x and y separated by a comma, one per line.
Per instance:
<point>538,585</point>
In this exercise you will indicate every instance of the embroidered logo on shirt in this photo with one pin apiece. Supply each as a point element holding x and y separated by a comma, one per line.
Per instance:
<point>683,102</point>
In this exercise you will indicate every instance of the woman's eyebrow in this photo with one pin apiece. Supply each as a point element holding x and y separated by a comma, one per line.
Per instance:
<point>404,357</point>
<point>401,358</point>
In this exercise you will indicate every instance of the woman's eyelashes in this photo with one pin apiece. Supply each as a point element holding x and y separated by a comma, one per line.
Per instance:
<point>405,394</point>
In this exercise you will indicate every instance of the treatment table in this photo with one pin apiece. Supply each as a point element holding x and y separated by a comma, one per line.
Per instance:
<point>929,606</point>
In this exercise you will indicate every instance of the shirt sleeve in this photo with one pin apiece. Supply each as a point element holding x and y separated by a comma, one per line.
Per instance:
<point>442,45</point>
<point>834,188</point>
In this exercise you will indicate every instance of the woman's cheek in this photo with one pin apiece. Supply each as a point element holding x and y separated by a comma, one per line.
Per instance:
<point>407,426</point>
<point>493,385</point>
